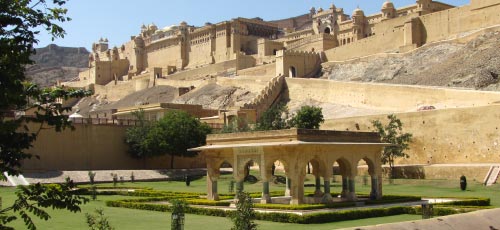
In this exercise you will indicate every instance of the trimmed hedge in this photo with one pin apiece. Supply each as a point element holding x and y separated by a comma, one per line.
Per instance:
<point>468,202</point>
<point>208,202</point>
<point>324,217</point>
<point>305,206</point>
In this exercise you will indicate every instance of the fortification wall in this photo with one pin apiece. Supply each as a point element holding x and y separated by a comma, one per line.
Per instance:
<point>390,35</point>
<point>386,96</point>
<point>253,83</point>
<point>263,70</point>
<point>197,73</point>
<point>201,53</point>
<point>94,147</point>
<point>164,57</point>
<point>115,92</point>
<point>389,40</point>
<point>467,137</point>
<point>296,64</point>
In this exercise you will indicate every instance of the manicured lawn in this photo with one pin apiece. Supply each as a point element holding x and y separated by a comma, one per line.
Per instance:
<point>124,219</point>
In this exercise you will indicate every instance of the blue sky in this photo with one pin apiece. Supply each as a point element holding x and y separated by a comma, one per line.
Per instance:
<point>117,20</point>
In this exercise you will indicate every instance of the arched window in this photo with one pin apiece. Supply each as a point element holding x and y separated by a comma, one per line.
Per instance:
<point>327,30</point>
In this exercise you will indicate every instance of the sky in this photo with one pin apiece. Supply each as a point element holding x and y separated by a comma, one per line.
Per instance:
<point>117,20</point>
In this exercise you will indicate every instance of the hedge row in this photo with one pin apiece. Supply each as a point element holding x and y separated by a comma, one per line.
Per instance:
<point>208,202</point>
<point>469,202</point>
<point>316,218</point>
<point>305,206</point>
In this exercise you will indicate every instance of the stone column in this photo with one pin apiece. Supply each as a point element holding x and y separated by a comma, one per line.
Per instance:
<point>345,187</point>
<point>297,188</point>
<point>374,189</point>
<point>352,189</point>
<point>327,196</point>
<point>212,188</point>
<point>213,174</point>
<point>379,186</point>
<point>266,197</point>
<point>318,192</point>
<point>288,186</point>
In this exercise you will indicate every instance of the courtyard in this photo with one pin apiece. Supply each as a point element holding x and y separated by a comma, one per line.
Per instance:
<point>123,218</point>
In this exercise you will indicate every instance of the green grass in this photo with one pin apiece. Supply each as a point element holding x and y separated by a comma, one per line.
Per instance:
<point>124,219</point>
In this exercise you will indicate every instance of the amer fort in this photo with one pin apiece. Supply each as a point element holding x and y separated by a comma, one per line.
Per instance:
<point>237,69</point>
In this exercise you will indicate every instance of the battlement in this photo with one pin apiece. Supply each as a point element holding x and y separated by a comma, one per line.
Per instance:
<point>292,53</point>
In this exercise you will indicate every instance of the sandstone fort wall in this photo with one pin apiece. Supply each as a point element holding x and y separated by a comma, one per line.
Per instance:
<point>392,35</point>
<point>94,147</point>
<point>386,96</point>
<point>467,137</point>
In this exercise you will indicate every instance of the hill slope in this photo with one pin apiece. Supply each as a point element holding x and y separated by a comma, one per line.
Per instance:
<point>475,64</point>
<point>54,63</point>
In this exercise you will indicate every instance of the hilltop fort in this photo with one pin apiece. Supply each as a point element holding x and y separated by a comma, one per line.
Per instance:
<point>239,68</point>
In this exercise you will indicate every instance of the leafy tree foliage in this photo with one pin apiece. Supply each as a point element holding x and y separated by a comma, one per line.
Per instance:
<point>34,198</point>
<point>393,133</point>
<point>243,216</point>
<point>274,118</point>
<point>236,126</point>
<point>308,117</point>
<point>20,22</point>
<point>173,135</point>
<point>135,137</point>
<point>98,221</point>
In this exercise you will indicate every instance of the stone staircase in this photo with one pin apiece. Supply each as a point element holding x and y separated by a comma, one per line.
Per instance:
<point>267,96</point>
<point>492,176</point>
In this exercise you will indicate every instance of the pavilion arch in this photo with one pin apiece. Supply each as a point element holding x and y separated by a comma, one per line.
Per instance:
<point>375,175</point>
<point>318,166</point>
<point>345,166</point>
<point>269,164</point>
<point>242,164</point>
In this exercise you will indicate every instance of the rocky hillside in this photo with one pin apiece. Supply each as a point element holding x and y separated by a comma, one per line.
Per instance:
<point>54,63</point>
<point>475,64</point>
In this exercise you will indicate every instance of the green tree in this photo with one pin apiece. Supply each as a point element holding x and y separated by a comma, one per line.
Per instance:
<point>308,117</point>
<point>243,216</point>
<point>20,22</point>
<point>178,208</point>
<point>393,133</point>
<point>98,221</point>
<point>135,137</point>
<point>274,118</point>
<point>174,134</point>
<point>236,126</point>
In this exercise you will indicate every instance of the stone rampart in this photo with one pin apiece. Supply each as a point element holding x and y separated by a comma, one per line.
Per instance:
<point>94,147</point>
<point>467,139</point>
<point>388,97</point>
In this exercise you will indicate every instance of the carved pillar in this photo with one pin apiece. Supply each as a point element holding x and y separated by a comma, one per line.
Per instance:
<point>327,195</point>
<point>213,174</point>
<point>297,187</point>
<point>374,189</point>
<point>266,197</point>
<point>352,189</point>
<point>345,186</point>
<point>318,192</point>
<point>288,186</point>
<point>212,188</point>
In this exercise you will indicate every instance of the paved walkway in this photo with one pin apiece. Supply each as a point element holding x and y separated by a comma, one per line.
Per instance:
<point>480,220</point>
<point>105,175</point>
